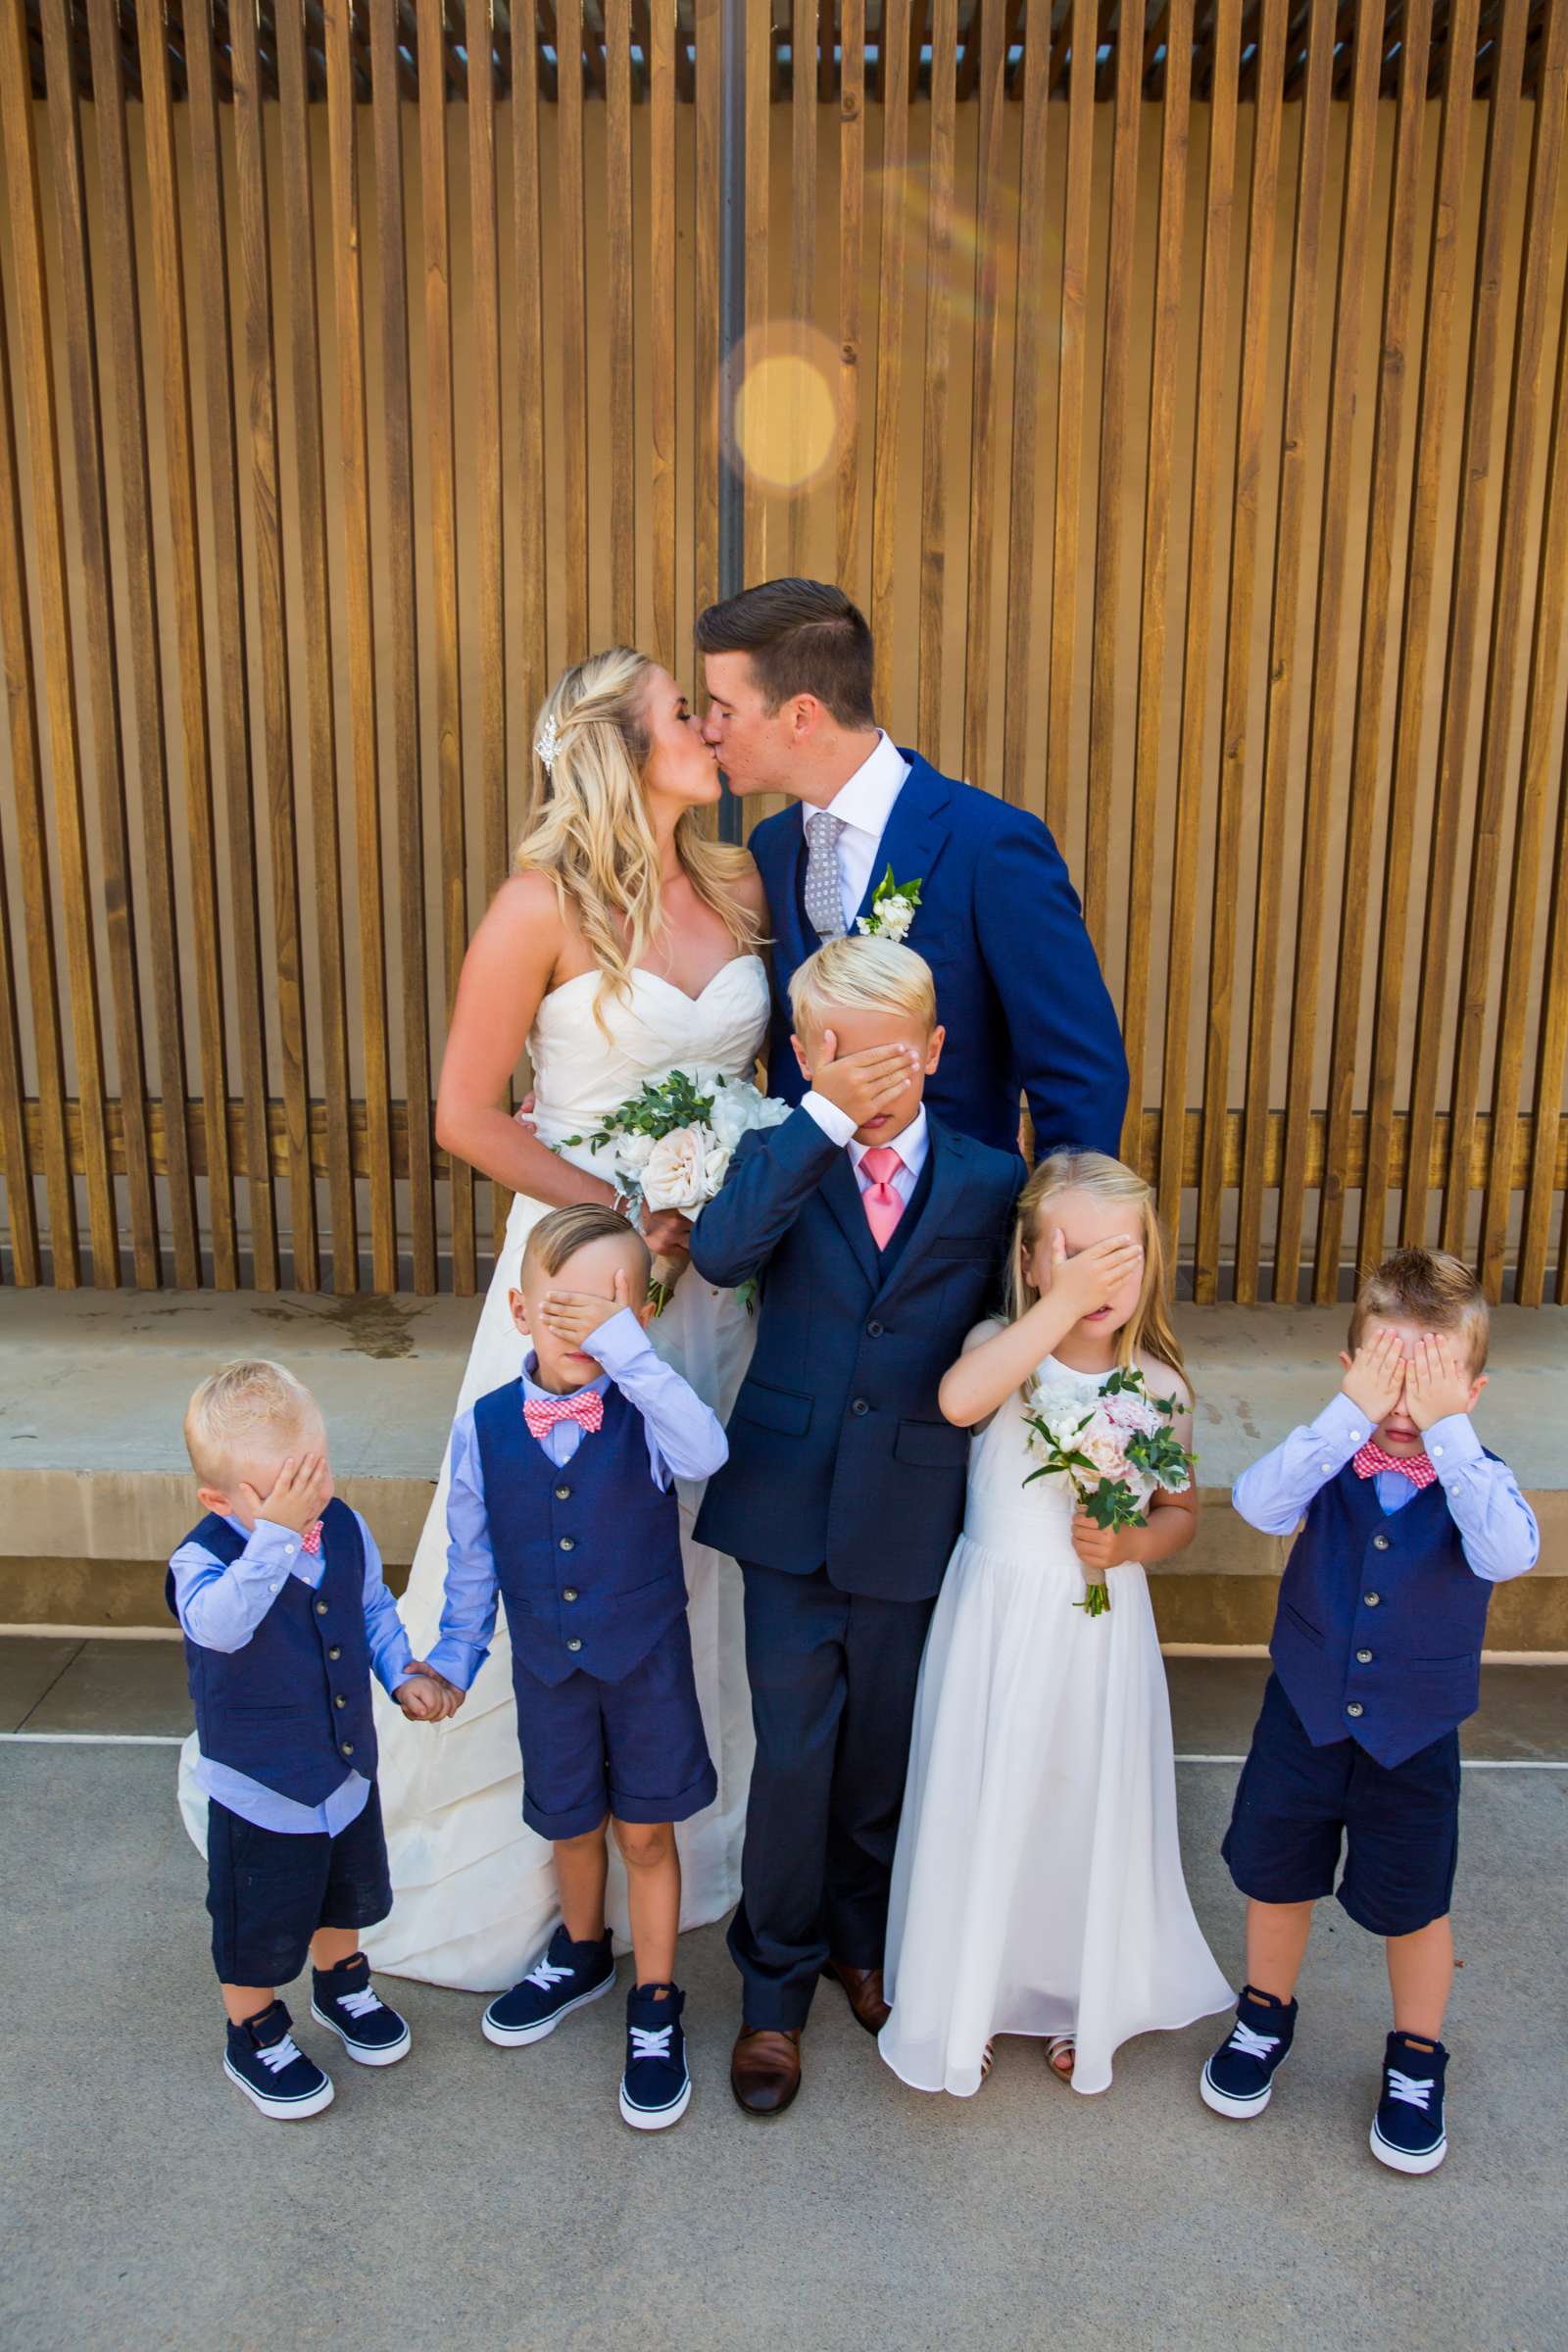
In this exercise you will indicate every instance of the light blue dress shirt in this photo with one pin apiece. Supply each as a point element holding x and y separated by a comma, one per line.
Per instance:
<point>685,1440</point>
<point>219,1608</point>
<point>1496,1527</point>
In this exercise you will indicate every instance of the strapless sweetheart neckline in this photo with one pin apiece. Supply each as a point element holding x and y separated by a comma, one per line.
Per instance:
<point>640,971</point>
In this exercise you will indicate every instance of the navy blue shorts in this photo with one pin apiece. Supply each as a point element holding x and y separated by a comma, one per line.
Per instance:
<point>1294,1803</point>
<point>269,1891</point>
<point>635,1748</point>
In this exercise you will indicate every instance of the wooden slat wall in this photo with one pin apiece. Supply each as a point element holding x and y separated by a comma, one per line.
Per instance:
<point>1249,574</point>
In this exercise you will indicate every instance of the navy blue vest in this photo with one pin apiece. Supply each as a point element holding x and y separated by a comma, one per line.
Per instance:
<point>1378,1634</point>
<point>291,1709</point>
<point>587,1558</point>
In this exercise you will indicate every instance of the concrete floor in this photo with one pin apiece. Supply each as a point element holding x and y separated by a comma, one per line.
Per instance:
<point>474,2197</point>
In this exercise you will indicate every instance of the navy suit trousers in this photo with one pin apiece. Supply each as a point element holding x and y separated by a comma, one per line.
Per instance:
<point>833,1679</point>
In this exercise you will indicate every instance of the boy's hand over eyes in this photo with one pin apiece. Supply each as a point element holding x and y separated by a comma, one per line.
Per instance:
<point>1375,1379</point>
<point>863,1085</point>
<point>1435,1383</point>
<point>301,1492</point>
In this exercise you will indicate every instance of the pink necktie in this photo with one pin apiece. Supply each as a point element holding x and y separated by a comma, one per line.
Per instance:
<point>883,1206</point>
<point>311,1539</point>
<point>1418,1468</point>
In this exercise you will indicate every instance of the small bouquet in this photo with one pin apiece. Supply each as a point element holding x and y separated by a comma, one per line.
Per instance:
<point>1116,1455</point>
<point>894,908</point>
<point>671,1145</point>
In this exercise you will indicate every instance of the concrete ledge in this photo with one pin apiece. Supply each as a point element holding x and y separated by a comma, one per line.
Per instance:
<point>95,1489</point>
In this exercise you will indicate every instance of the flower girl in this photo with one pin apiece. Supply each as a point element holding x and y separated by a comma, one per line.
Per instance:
<point>1038,1886</point>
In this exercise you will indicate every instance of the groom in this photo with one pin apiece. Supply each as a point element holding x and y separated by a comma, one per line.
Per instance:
<point>789,680</point>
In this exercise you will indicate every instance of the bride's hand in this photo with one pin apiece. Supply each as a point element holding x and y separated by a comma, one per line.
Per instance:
<point>667,1232</point>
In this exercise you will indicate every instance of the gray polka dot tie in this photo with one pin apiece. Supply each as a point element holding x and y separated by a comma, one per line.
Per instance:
<point>824,892</point>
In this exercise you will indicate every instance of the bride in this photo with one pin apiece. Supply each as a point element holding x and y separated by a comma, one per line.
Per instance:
<point>625,945</point>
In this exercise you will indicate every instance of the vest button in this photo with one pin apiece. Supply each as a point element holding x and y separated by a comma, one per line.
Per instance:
<point>1363,1657</point>
<point>570,1594</point>
<point>873,1331</point>
<point>568,1543</point>
<point>334,1654</point>
<point>340,1700</point>
<point>574,1643</point>
<point>320,1608</point>
<point>1372,1599</point>
<point>562,1493</point>
<point>348,1747</point>
<point>1354,1708</point>
<point>859,1407</point>
<point>1379,1542</point>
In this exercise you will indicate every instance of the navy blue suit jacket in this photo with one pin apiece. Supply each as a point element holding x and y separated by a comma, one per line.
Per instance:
<point>1019,985</point>
<point>838,1451</point>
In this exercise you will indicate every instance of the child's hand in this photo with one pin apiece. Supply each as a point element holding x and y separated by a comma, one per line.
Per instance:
<point>1092,1279</point>
<point>571,1315</point>
<point>301,1492</point>
<point>1097,1547</point>
<point>863,1084</point>
<point>1435,1384</point>
<point>1376,1377</point>
<point>427,1697</point>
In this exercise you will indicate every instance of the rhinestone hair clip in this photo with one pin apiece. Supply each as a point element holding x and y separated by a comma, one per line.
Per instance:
<point>545,747</point>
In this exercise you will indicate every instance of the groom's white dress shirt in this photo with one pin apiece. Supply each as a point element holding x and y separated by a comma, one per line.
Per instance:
<point>912,1146</point>
<point>862,807</point>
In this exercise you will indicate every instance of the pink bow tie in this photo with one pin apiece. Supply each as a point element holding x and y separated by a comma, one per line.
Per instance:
<point>310,1539</point>
<point>883,1204</point>
<point>1372,1458</point>
<point>586,1408</point>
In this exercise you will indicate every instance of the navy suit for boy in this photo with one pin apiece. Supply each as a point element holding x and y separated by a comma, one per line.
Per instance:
<point>1017,981</point>
<point>842,1498</point>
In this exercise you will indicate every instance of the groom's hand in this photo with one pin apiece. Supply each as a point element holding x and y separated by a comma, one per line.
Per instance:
<point>863,1085</point>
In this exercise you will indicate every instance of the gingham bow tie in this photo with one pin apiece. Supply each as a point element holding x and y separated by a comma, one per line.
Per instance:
<point>587,1410</point>
<point>1372,1458</point>
<point>310,1539</point>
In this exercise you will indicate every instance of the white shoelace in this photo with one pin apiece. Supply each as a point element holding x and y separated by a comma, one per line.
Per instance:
<point>358,2004</point>
<point>547,1975</point>
<point>1410,2089</point>
<point>282,2053</point>
<point>649,2041</point>
<point>1247,2045</point>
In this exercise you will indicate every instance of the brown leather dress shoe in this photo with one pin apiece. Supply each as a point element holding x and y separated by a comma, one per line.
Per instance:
<point>764,2070</point>
<point>863,1989</point>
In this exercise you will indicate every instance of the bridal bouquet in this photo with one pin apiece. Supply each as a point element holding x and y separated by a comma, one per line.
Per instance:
<point>1116,1455</point>
<point>671,1145</point>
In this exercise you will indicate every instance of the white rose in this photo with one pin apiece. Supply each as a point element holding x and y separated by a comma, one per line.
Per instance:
<point>1102,1450</point>
<point>715,1167</point>
<point>896,915</point>
<point>633,1153</point>
<point>673,1175</point>
<point>736,1110</point>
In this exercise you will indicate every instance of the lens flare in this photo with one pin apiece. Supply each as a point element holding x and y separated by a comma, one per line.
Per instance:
<point>785,413</point>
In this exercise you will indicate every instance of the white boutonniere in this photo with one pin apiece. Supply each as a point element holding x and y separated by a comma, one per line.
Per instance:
<point>894,908</point>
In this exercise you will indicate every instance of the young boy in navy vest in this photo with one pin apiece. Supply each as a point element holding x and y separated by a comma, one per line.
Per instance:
<point>878,1234</point>
<point>563,1504</point>
<point>279,1595</point>
<point>1408,1523</point>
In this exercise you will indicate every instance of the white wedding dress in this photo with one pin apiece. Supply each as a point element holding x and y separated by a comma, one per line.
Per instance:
<point>1037,1887</point>
<point>473,1886</point>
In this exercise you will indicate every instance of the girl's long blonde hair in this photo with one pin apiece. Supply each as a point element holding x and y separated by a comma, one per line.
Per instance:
<point>588,826</point>
<point>1148,1330</point>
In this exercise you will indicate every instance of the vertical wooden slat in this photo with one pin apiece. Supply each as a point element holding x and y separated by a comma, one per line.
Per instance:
<point>1333,576</point>
<point>1111,495</point>
<point>1464,614</point>
<point>1029,305</point>
<point>573,322</point>
<point>1291,510</point>
<point>803,228</point>
<point>620,226</point>
<point>1071,391</point>
<point>179,475</point>
<point>253,999</point>
<point>441,461</point>
<point>937,351</point>
<point>273,629</point>
<point>85,420</point>
<point>983,501</point>
<point>852,225</point>
<point>343,166</point>
<point>893,81</point>
<point>759,65</point>
<point>127,401</point>
<point>309,482</point>
<point>1417,602</point>
<point>398,563</point>
<point>1548,645</point>
<point>705,320</point>
<point>663,266</point>
<point>1496,776</point>
<point>1398,292</point>
<point>36,342</point>
<point>489,493</point>
<point>15,1161</point>
<point>1148,728</point>
<point>1213,333</point>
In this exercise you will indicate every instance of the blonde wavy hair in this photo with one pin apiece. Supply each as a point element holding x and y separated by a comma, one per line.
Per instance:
<point>1148,1330</point>
<point>588,826</point>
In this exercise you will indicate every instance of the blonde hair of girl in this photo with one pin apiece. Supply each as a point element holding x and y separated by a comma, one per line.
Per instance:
<point>1148,1330</point>
<point>588,826</point>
